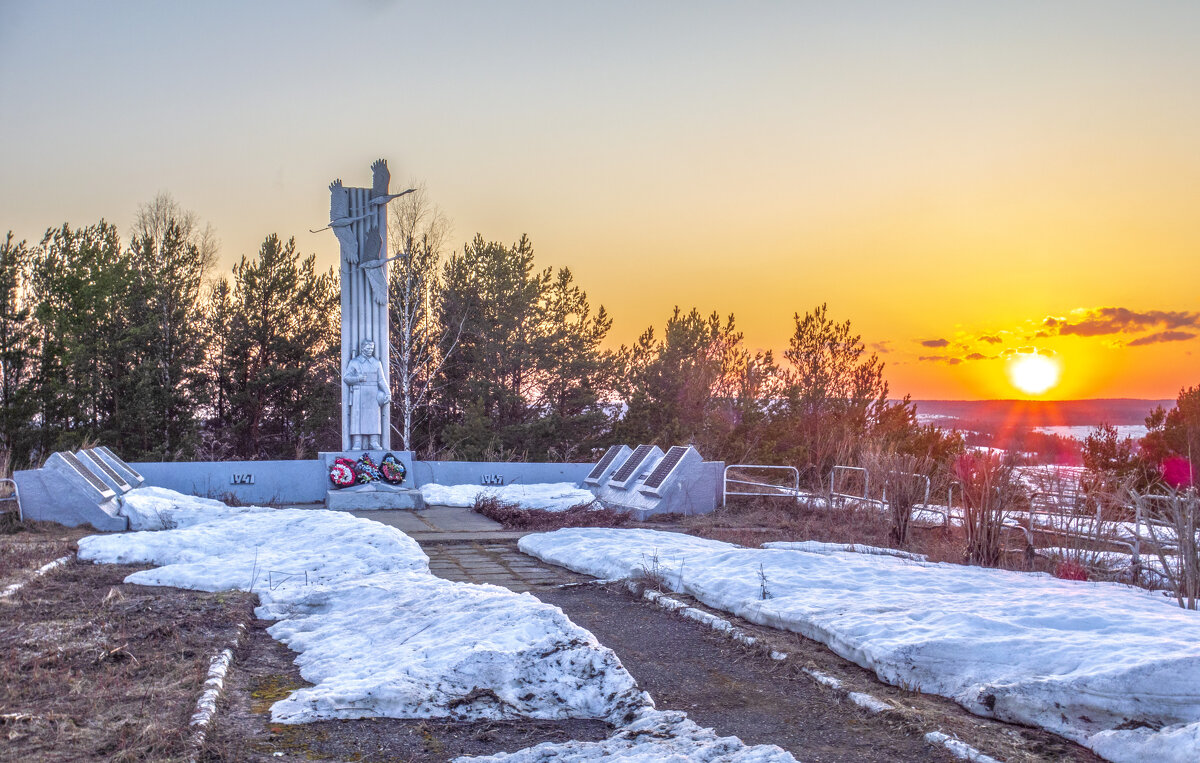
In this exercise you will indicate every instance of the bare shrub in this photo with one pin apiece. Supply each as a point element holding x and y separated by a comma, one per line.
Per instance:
<point>1176,511</point>
<point>1067,513</point>
<point>904,481</point>
<point>990,491</point>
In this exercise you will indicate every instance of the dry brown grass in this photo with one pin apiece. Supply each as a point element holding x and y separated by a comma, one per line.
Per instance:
<point>513,517</point>
<point>94,669</point>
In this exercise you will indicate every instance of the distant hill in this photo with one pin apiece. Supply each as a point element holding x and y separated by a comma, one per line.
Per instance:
<point>1009,415</point>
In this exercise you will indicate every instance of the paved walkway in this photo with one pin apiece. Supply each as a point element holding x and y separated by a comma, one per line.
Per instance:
<point>468,547</point>
<point>684,665</point>
<point>442,524</point>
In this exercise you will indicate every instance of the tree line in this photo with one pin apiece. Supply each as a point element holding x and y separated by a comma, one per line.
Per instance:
<point>138,345</point>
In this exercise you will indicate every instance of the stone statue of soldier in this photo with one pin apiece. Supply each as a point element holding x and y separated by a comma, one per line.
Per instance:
<point>368,393</point>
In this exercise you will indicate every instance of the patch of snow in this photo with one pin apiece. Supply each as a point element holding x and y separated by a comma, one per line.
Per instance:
<point>718,624</point>
<point>206,706</point>
<point>1085,660</point>
<point>1177,743</point>
<point>250,551</point>
<point>158,508</point>
<point>817,547</point>
<point>655,737</point>
<point>376,633</point>
<point>958,748</point>
<point>411,645</point>
<point>550,496</point>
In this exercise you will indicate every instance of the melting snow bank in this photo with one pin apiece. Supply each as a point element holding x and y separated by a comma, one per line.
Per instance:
<point>408,645</point>
<point>1114,668</point>
<point>551,496</point>
<point>654,737</point>
<point>157,508</point>
<point>377,634</point>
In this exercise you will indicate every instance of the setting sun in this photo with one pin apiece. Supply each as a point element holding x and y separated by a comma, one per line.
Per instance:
<point>1033,374</point>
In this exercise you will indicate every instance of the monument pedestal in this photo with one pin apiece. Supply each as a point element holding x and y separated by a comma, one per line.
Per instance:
<point>374,495</point>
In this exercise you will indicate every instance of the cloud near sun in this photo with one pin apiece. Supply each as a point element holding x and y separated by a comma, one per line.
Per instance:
<point>1106,321</point>
<point>1123,324</point>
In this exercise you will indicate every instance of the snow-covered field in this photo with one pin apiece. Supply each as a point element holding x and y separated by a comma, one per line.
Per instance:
<point>1136,431</point>
<point>378,635</point>
<point>551,496</point>
<point>1112,667</point>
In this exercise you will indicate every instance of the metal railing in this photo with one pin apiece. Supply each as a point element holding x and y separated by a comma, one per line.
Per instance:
<point>14,498</point>
<point>776,491</point>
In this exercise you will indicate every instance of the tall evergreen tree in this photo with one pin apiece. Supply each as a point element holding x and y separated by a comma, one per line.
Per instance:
<point>83,285</point>
<point>527,376</point>
<point>834,394</point>
<point>282,354</point>
<point>697,385</point>
<point>171,256</point>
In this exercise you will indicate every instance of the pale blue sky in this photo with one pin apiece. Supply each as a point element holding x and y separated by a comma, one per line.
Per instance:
<point>753,157</point>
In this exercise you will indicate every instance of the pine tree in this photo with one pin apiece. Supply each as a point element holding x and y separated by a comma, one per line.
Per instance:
<point>697,385</point>
<point>171,256</point>
<point>82,285</point>
<point>281,354</point>
<point>528,377</point>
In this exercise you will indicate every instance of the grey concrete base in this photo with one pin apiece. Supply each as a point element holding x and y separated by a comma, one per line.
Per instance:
<point>373,498</point>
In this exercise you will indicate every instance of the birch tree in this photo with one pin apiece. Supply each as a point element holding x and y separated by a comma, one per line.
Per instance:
<point>421,343</point>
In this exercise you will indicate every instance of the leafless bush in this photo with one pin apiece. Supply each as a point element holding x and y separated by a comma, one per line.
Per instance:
<point>1063,511</point>
<point>904,482</point>
<point>1177,511</point>
<point>990,491</point>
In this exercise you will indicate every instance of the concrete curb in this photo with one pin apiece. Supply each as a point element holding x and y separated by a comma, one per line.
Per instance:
<point>214,684</point>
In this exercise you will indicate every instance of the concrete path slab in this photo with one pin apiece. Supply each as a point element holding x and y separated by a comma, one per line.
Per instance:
<point>481,561</point>
<point>434,519</point>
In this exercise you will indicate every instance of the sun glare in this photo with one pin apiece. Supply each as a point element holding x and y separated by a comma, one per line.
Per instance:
<point>1033,374</point>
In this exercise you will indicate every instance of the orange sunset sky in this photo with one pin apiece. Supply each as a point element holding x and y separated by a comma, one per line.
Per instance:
<point>966,182</point>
